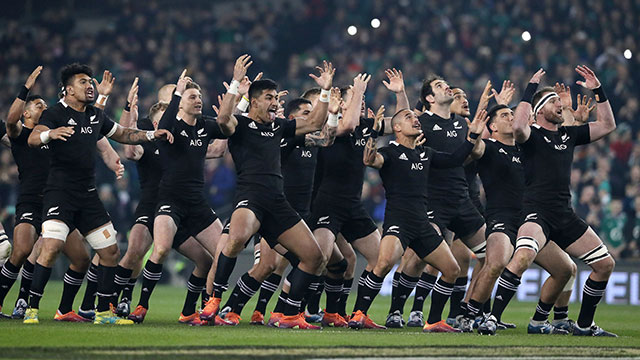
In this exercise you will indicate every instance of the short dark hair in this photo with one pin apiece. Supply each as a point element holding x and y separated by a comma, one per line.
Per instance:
<point>538,95</point>
<point>493,112</point>
<point>294,105</point>
<point>427,90</point>
<point>31,98</point>
<point>71,70</point>
<point>311,92</point>
<point>192,85</point>
<point>258,87</point>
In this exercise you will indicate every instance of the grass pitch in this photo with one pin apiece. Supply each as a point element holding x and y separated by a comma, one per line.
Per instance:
<point>162,337</point>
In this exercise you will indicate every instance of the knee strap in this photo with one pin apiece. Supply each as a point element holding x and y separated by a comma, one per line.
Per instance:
<point>480,250</point>
<point>55,230</point>
<point>527,242</point>
<point>569,285</point>
<point>595,255</point>
<point>102,237</point>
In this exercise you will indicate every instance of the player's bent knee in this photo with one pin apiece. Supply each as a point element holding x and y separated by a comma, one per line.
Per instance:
<point>102,237</point>
<point>480,250</point>
<point>569,285</point>
<point>599,259</point>
<point>339,267</point>
<point>494,270</point>
<point>52,229</point>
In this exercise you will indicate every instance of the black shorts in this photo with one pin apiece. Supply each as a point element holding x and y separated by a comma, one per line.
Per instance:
<point>146,213</point>
<point>420,236</point>
<point>503,221</point>
<point>349,219</point>
<point>30,213</point>
<point>81,210</point>
<point>463,219</point>
<point>561,226</point>
<point>190,217</point>
<point>271,209</point>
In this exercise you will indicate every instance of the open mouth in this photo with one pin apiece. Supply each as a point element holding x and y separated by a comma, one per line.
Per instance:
<point>417,126</point>
<point>90,93</point>
<point>272,113</point>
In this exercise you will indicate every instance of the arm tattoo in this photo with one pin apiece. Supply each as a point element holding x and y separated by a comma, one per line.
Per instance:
<point>131,136</point>
<point>324,137</point>
<point>370,152</point>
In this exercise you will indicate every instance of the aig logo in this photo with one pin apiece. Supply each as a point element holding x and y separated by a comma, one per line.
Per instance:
<point>196,142</point>
<point>361,142</point>
<point>560,147</point>
<point>86,130</point>
<point>306,154</point>
<point>416,166</point>
<point>452,133</point>
<point>267,134</point>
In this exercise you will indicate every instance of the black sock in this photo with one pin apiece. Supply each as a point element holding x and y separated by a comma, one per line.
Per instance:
<point>121,280</point>
<point>560,312</point>
<point>292,258</point>
<point>248,286</point>
<point>591,295</point>
<point>127,290</point>
<point>406,284</point>
<point>361,287</point>
<point>299,284</point>
<point>151,274</point>
<point>366,293</point>
<point>423,288</point>
<point>459,288</point>
<point>89,299</point>
<point>41,276</point>
<point>542,311</point>
<point>394,289</point>
<point>311,291</point>
<point>232,298</point>
<point>508,283</point>
<point>25,283</point>
<point>204,297</point>
<point>282,302</point>
<point>223,272</point>
<point>473,309</point>
<point>441,293</point>
<point>72,283</point>
<point>8,276</point>
<point>313,301</point>
<point>333,289</point>
<point>106,286</point>
<point>268,287</point>
<point>194,288</point>
<point>346,290</point>
<point>486,307</point>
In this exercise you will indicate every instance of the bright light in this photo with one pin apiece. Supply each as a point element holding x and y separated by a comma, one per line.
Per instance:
<point>526,36</point>
<point>352,30</point>
<point>375,23</point>
<point>628,54</point>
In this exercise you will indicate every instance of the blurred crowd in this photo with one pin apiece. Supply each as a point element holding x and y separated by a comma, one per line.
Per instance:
<point>467,42</point>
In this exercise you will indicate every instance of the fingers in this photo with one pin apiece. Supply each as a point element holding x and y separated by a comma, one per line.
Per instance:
<point>370,113</point>
<point>226,85</point>
<point>216,109</point>
<point>258,77</point>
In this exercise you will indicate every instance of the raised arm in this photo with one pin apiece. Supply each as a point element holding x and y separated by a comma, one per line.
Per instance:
<point>605,121</point>
<point>318,115</point>
<point>14,126</point>
<point>371,157</point>
<point>479,146</point>
<point>351,116</point>
<point>129,119</point>
<point>327,135</point>
<point>226,120</point>
<point>104,89</point>
<point>110,157</point>
<point>521,128</point>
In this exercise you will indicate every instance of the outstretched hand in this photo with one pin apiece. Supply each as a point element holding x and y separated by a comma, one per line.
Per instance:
<point>325,80</point>
<point>163,134</point>
<point>581,114</point>
<point>396,81</point>
<point>133,91</point>
<point>479,122</point>
<point>564,92</point>
<point>106,85</point>
<point>241,66</point>
<point>31,80</point>
<point>537,76</point>
<point>360,82</point>
<point>506,93</point>
<point>183,80</point>
<point>590,80</point>
<point>377,123</point>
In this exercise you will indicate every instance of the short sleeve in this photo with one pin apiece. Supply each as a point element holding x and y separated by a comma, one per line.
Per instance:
<point>108,127</point>
<point>580,133</point>
<point>289,128</point>
<point>489,149</point>
<point>213,130</point>
<point>47,119</point>
<point>385,155</point>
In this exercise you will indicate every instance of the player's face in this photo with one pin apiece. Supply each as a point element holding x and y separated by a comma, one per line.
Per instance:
<point>191,102</point>
<point>266,105</point>
<point>552,111</point>
<point>442,93</point>
<point>155,119</point>
<point>408,124</point>
<point>81,88</point>
<point>460,104</point>
<point>35,109</point>
<point>302,112</point>
<point>503,122</point>
<point>347,98</point>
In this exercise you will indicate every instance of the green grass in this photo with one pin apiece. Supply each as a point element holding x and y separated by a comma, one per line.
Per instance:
<point>162,337</point>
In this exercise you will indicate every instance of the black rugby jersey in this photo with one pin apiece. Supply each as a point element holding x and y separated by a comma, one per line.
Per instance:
<point>405,173</point>
<point>3,129</point>
<point>471,175</point>
<point>502,175</point>
<point>149,166</point>
<point>33,167</point>
<point>298,171</point>
<point>446,135</point>
<point>341,166</point>
<point>255,149</point>
<point>183,161</point>
<point>73,161</point>
<point>547,157</point>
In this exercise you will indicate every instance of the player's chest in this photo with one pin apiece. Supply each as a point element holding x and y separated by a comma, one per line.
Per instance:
<point>85,127</point>
<point>443,135</point>
<point>191,138</point>
<point>411,164</point>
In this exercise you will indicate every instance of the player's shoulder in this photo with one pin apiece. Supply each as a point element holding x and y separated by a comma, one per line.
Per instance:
<point>144,124</point>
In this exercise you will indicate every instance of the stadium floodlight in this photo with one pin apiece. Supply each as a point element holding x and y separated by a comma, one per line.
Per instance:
<point>628,54</point>
<point>352,30</point>
<point>526,36</point>
<point>375,23</point>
